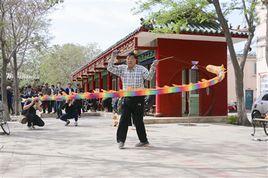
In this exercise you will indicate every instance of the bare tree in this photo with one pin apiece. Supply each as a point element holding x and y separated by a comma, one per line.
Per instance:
<point>26,23</point>
<point>4,6</point>
<point>19,21</point>
<point>250,15</point>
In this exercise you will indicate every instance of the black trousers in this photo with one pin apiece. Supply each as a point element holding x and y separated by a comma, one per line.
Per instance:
<point>10,108</point>
<point>34,119</point>
<point>47,105</point>
<point>67,116</point>
<point>59,105</point>
<point>132,106</point>
<point>79,107</point>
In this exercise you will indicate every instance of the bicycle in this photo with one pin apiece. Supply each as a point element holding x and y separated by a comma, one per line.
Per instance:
<point>3,122</point>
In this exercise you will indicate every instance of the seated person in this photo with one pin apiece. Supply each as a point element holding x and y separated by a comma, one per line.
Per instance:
<point>29,111</point>
<point>71,111</point>
<point>107,104</point>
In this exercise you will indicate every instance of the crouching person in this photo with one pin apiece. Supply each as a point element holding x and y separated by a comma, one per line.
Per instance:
<point>29,111</point>
<point>71,112</point>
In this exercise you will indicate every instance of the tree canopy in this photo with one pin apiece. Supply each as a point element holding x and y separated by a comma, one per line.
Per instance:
<point>57,64</point>
<point>170,15</point>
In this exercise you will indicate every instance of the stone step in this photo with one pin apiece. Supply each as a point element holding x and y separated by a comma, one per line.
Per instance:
<point>85,114</point>
<point>187,120</point>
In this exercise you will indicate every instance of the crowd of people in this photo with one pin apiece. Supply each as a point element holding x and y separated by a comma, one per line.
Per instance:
<point>131,108</point>
<point>73,108</point>
<point>107,104</point>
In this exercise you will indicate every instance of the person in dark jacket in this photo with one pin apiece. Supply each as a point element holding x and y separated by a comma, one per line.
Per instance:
<point>71,112</point>
<point>59,104</point>
<point>10,100</point>
<point>46,104</point>
<point>69,89</point>
<point>29,111</point>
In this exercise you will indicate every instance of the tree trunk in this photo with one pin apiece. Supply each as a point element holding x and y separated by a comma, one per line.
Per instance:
<point>239,74</point>
<point>16,86</point>
<point>266,39</point>
<point>4,85</point>
<point>241,109</point>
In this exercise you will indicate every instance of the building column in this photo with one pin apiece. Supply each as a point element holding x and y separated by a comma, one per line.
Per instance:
<point>100,82</point>
<point>85,86</point>
<point>157,97</point>
<point>93,82</point>
<point>109,81</point>
<point>82,84</point>
<point>120,83</point>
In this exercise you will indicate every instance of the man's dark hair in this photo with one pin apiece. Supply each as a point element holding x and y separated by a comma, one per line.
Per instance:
<point>133,54</point>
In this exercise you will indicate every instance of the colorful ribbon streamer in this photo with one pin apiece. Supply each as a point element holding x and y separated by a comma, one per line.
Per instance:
<point>218,70</point>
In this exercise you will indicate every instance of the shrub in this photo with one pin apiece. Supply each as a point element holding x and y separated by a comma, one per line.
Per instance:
<point>232,120</point>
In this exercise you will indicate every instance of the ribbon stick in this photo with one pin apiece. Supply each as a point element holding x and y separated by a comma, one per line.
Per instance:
<point>166,58</point>
<point>218,70</point>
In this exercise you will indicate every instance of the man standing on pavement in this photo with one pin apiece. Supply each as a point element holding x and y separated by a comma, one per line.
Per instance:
<point>69,89</point>
<point>10,100</point>
<point>59,91</point>
<point>132,76</point>
<point>46,104</point>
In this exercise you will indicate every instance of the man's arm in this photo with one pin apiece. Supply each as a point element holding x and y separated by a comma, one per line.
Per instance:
<point>113,68</point>
<point>148,75</point>
<point>28,104</point>
<point>37,104</point>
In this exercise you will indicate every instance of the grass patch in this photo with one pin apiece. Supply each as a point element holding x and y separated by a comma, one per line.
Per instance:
<point>232,119</point>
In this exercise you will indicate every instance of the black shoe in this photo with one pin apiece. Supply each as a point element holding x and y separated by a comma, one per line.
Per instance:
<point>67,122</point>
<point>24,120</point>
<point>121,145</point>
<point>142,144</point>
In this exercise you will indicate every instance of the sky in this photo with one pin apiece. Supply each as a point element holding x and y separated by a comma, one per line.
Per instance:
<point>87,21</point>
<point>101,21</point>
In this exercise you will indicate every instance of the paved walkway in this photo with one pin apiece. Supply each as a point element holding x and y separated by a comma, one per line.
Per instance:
<point>89,150</point>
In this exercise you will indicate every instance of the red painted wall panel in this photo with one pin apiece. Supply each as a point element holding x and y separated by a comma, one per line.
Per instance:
<point>169,72</point>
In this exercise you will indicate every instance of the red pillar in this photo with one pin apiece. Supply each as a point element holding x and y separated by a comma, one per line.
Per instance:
<point>157,76</point>
<point>109,81</point>
<point>93,82</point>
<point>82,84</point>
<point>86,87</point>
<point>120,83</point>
<point>100,82</point>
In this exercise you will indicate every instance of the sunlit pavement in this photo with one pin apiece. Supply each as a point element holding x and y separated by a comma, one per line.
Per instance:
<point>90,150</point>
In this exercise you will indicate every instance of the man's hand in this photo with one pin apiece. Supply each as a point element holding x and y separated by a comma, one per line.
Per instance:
<point>115,53</point>
<point>32,102</point>
<point>154,64</point>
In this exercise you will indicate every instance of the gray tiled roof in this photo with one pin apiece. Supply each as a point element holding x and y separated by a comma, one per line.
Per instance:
<point>208,29</point>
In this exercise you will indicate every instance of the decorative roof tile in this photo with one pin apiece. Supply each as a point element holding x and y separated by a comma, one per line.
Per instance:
<point>212,29</point>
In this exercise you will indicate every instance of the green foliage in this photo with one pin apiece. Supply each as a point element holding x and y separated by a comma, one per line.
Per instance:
<point>171,15</point>
<point>54,2</point>
<point>59,62</point>
<point>232,119</point>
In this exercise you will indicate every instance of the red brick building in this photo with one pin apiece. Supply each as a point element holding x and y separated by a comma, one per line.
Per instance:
<point>205,44</point>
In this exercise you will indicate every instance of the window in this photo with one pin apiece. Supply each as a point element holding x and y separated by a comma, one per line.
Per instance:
<point>265,97</point>
<point>263,83</point>
<point>194,77</point>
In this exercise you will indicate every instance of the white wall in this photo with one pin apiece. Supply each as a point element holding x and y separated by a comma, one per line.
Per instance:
<point>262,70</point>
<point>249,78</point>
